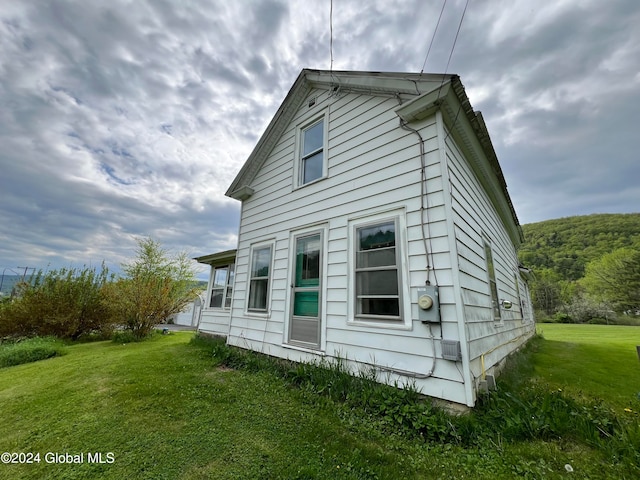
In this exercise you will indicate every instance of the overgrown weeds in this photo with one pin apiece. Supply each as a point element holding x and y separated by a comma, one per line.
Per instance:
<point>519,410</point>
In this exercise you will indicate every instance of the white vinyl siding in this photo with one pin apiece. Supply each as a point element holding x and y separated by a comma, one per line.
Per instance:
<point>476,219</point>
<point>372,177</point>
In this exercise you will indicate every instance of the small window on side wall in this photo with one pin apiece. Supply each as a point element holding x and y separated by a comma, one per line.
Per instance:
<point>260,275</point>
<point>222,287</point>
<point>493,286</point>
<point>312,153</point>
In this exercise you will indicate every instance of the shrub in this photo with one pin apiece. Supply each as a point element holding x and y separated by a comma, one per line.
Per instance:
<point>125,336</point>
<point>65,303</point>
<point>562,318</point>
<point>29,350</point>
<point>585,309</point>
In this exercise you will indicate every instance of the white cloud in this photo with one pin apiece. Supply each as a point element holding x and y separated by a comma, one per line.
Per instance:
<point>122,119</point>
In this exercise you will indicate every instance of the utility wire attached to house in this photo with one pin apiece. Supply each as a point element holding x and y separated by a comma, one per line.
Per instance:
<point>453,47</point>
<point>455,40</point>
<point>432,39</point>
<point>334,88</point>
<point>331,35</point>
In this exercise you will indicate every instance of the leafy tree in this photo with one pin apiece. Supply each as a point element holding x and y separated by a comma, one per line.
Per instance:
<point>615,278</point>
<point>546,291</point>
<point>156,285</point>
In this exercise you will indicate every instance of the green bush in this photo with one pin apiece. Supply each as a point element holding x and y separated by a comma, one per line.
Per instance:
<point>29,350</point>
<point>126,336</point>
<point>561,317</point>
<point>65,303</point>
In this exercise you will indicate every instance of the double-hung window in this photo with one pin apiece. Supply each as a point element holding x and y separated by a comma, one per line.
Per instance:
<point>260,274</point>
<point>377,271</point>
<point>222,287</point>
<point>312,154</point>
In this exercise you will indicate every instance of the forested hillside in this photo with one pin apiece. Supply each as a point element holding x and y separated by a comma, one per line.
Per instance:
<point>591,260</point>
<point>566,245</point>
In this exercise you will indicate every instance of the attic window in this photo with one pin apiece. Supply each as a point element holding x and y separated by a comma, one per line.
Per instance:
<point>311,102</point>
<point>312,148</point>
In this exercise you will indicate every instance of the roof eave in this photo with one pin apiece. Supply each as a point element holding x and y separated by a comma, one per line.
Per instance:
<point>272,133</point>
<point>217,258</point>
<point>451,99</point>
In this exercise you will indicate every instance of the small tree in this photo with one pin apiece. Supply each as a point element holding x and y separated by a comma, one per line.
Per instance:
<point>156,285</point>
<point>546,291</point>
<point>582,309</point>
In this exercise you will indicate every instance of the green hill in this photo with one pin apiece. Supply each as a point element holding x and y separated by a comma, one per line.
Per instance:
<point>567,245</point>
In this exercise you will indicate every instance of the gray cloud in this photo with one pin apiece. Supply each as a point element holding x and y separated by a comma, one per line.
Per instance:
<point>123,119</point>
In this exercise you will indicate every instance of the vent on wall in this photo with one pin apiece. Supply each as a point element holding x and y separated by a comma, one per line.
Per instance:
<point>311,102</point>
<point>451,350</point>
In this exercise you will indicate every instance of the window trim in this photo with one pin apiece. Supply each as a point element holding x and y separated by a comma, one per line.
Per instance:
<point>227,290</point>
<point>492,282</point>
<point>255,248</point>
<point>295,235</point>
<point>404,320</point>
<point>300,158</point>
<point>519,295</point>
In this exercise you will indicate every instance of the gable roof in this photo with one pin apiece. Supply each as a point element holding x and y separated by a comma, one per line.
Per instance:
<point>421,95</point>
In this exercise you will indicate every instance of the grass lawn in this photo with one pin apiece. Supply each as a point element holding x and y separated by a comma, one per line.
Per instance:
<point>161,409</point>
<point>594,360</point>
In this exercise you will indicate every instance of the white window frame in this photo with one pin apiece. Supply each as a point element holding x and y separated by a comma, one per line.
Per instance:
<point>227,290</point>
<point>299,158</point>
<point>516,277</point>
<point>255,248</point>
<point>403,321</point>
<point>492,282</point>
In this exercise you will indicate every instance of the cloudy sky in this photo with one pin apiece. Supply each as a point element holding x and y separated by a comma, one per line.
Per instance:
<point>123,118</point>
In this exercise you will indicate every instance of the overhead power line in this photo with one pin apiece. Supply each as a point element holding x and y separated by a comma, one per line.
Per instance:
<point>444,4</point>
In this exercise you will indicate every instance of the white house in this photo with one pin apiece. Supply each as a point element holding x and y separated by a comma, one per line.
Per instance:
<point>376,226</point>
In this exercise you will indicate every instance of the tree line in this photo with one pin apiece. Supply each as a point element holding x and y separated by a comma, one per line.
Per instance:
<point>75,302</point>
<point>587,268</point>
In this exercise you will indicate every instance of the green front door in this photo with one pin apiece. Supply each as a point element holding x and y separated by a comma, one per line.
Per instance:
<point>304,327</point>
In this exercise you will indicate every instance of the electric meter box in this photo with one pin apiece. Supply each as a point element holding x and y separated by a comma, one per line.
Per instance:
<point>428,304</point>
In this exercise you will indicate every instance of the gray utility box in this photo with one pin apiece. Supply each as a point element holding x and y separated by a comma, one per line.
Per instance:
<point>428,304</point>
<point>451,350</point>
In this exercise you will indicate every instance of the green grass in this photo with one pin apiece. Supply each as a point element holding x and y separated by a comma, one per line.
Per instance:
<point>29,350</point>
<point>167,409</point>
<point>597,361</point>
